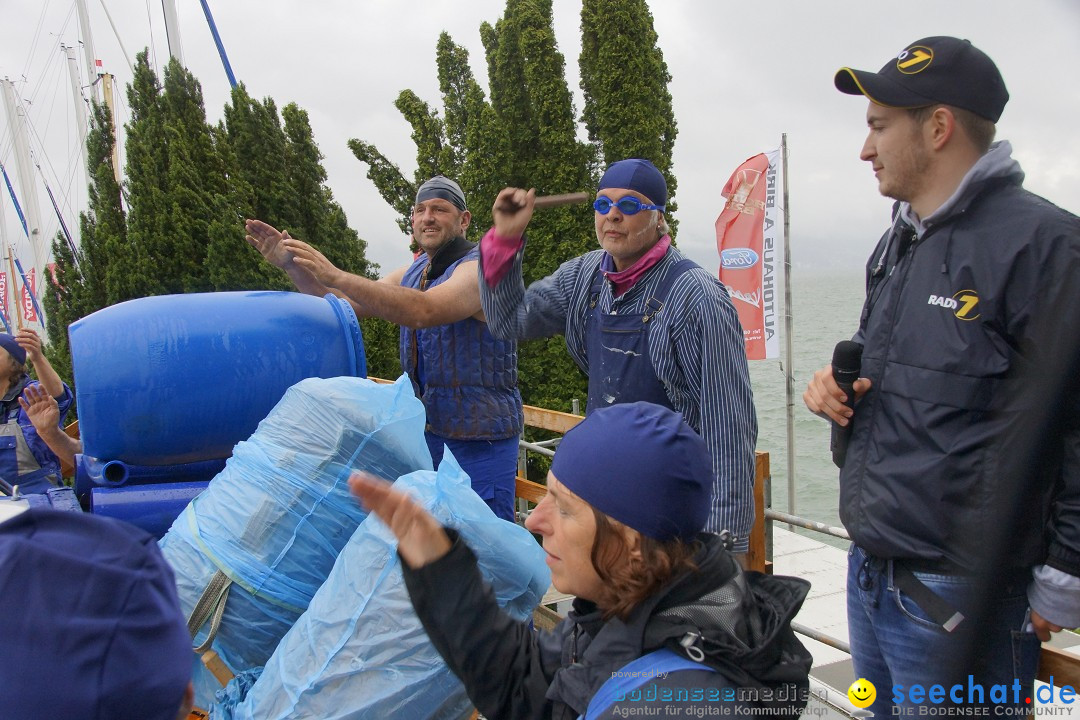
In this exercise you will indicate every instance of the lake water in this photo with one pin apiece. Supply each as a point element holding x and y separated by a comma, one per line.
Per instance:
<point>825,310</point>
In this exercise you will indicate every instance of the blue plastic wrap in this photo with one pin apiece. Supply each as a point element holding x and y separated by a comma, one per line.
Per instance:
<point>359,651</point>
<point>275,519</point>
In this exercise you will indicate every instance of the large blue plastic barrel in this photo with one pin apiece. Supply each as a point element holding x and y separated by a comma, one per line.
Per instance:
<point>183,378</point>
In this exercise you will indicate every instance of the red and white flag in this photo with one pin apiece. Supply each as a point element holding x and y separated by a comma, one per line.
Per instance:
<point>750,239</point>
<point>29,313</point>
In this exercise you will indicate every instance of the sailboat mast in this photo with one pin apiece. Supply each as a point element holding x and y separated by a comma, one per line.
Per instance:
<point>80,108</point>
<point>88,50</point>
<point>172,30</point>
<point>107,90</point>
<point>19,123</point>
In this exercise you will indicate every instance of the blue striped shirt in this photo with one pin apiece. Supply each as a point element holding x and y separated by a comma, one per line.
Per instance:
<point>696,344</point>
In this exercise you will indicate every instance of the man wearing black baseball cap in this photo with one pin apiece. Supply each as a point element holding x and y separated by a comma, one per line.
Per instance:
<point>965,525</point>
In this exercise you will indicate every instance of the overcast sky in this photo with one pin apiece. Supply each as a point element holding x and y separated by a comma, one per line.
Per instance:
<point>742,74</point>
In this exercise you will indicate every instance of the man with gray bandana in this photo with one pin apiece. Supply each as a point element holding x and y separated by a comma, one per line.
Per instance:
<point>466,378</point>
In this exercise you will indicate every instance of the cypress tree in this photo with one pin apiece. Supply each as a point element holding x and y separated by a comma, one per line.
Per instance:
<point>525,136</point>
<point>79,287</point>
<point>197,189</point>
<point>132,271</point>
<point>318,215</point>
<point>628,111</point>
<point>530,97</point>
<point>251,144</point>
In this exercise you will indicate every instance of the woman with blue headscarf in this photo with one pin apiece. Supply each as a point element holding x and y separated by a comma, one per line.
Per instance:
<point>663,613</point>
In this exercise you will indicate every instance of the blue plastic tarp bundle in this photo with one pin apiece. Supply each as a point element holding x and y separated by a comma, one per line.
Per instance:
<point>360,651</point>
<point>276,518</point>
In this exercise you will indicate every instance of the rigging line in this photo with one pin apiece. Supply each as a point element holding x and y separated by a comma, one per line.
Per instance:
<point>52,58</point>
<point>37,36</point>
<point>123,49</point>
<point>51,113</point>
<point>33,157</point>
<point>153,45</point>
<point>180,39</point>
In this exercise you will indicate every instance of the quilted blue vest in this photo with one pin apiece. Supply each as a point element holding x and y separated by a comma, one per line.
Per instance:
<point>466,377</point>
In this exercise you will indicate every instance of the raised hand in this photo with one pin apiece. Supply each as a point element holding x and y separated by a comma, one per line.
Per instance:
<point>30,342</point>
<point>512,211</point>
<point>267,240</point>
<point>307,257</point>
<point>421,539</point>
<point>41,408</point>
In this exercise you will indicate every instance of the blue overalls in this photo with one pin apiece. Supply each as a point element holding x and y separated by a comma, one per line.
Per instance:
<point>18,442</point>
<point>620,366</point>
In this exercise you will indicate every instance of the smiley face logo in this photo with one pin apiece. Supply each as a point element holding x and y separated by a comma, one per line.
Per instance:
<point>862,693</point>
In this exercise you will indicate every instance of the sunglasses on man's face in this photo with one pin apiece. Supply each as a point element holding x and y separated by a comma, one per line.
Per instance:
<point>628,205</point>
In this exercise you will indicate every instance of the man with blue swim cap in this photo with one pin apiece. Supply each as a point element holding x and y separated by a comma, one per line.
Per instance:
<point>642,321</point>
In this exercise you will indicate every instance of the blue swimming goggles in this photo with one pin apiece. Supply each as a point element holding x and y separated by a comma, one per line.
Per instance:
<point>628,205</point>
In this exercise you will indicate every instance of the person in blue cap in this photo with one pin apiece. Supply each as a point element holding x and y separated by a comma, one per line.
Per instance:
<point>466,378</point>
<point>663,613</point>
<point>25,458</point>
<point>92,624</point>
<point>641,320</point>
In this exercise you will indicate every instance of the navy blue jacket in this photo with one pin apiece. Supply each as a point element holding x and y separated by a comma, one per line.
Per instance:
<point>968,345</point>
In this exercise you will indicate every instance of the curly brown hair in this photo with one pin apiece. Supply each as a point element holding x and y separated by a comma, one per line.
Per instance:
<point>632,576</point>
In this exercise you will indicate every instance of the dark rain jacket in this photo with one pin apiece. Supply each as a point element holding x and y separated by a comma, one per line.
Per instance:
<point>969,334</point>
<point>740,622</point>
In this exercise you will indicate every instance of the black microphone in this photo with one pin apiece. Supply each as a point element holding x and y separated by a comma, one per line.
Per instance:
<point>846,365</point>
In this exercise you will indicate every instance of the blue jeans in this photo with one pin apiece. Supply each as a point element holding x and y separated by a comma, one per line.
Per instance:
<point>895,644</point>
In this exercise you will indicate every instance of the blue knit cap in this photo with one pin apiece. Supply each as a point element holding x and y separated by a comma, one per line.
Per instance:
<point>92,624</point>
<point>14,349</point>
<point>637,175</point>
<point>642,465</point>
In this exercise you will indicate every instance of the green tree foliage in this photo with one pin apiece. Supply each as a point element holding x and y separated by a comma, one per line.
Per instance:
<point>189,187</point>
<point>131,271</point>
<point>197,188</point>
<point>79,288</point>
<point>525,136</point>
<point>252,144</point>
<point>624,77</point>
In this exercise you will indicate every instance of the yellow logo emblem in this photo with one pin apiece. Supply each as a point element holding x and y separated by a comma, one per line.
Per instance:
<point>914,60</point>
<point>862,693</point>
<point>967,302</point>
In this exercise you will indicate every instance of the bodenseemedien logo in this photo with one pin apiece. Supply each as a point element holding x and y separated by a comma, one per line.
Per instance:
<point>862,693</point>
<point>914,60</point>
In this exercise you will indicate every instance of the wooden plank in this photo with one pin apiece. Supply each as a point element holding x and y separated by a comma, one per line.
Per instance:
<point>552,420</point>
<point>536,417</point>
<point>66,468</point>
<point>1062,665</point>
<point>544,618</point>
<point>755,557</point>
<point>527,489</point>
